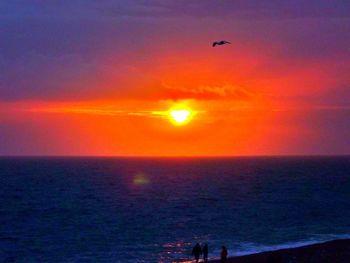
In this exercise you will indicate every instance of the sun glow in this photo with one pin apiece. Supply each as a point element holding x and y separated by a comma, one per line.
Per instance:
<point>180,115</point>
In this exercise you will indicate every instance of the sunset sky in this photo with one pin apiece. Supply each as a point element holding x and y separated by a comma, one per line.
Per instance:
<point>84,77</point>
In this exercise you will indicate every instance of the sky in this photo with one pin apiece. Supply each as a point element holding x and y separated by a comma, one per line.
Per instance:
<point>99,78</point>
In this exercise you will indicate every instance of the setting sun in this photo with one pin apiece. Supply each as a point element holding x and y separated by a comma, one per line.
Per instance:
<point>180,115</point>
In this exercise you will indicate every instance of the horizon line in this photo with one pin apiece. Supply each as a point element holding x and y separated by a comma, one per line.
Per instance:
<point>174,156</point>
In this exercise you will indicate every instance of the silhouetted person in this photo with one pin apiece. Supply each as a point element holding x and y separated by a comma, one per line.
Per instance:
<point>223,254</point>
<point>196,252</point>
<point>205,252</point>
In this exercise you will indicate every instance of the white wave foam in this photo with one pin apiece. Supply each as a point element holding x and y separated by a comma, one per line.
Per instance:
<point>252,248</point>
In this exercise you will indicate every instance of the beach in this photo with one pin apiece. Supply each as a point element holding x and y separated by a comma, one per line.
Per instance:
<point>337,251</point>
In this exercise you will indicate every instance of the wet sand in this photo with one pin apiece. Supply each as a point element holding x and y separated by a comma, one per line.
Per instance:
<point>337,251</point>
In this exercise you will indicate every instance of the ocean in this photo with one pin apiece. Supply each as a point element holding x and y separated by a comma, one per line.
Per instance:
<point>155,209</point>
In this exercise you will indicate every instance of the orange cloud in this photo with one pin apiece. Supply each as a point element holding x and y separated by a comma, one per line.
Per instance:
<point>226,91</point>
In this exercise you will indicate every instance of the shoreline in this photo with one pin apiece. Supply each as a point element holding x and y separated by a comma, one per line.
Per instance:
<point>335,251</point>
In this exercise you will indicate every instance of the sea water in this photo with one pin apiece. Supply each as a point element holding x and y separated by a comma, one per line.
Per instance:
<point>155,210</point>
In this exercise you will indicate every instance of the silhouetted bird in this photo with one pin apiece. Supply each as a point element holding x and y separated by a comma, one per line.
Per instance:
<point>222,42</point>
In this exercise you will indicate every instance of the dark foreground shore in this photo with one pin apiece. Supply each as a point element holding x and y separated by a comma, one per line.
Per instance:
<point>337,251</point>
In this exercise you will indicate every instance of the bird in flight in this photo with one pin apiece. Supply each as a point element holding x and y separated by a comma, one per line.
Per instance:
<point>222,42</point>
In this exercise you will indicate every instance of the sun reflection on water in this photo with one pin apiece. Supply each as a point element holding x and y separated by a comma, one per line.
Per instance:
<point>141,179</point>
